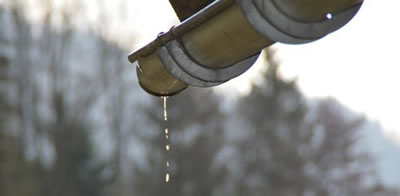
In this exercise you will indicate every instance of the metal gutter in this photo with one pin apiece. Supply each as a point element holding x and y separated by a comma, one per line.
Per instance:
<point>187,25</point>
<point>224,39</point>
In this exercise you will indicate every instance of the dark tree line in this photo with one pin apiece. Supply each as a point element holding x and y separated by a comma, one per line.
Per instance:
<point>46,143</point>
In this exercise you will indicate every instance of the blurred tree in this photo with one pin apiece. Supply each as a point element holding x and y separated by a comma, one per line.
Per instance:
<point>272,142</point>
<point>17,175</point>
<point>195,124</point>
<point>299,148</point>
<point>74,171</point>
<point>51,150</point>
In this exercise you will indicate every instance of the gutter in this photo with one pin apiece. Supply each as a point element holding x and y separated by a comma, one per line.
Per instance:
<point>225,38</point>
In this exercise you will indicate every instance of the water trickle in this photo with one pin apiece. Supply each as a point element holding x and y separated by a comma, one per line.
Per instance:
<point>165,109</point>
<point>167,146</point>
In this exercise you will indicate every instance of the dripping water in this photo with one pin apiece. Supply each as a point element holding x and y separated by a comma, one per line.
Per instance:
<point>167,177</point>
<point>167,146</point>
<point>165,109</point>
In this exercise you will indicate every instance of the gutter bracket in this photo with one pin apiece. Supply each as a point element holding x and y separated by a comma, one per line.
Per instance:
<point>180,64</point>
<point>270,22</point>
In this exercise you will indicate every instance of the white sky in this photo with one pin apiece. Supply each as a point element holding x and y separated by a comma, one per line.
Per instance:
<point>359,64</point>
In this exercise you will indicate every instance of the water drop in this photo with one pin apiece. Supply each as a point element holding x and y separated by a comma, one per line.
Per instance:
<point>166,130</point>
<point>167,177</point>
<point>165,109</point>
<point>329,16</point>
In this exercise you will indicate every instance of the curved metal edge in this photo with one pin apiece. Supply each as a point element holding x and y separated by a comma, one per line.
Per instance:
<point>302,29</point>
<point>171,66</point>
<point>264,27</point>
<point>201,72</point>
<point>154,93</point>
<point>267,20</point>
<point>158,94</point>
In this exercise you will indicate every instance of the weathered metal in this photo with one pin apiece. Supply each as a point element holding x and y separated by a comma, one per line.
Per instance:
<point>183,60</point>
<point>268,19</point>
<point>313,10</point>
<point>155,79</point>
<point>186,26</point>
<point>172,65</point>
<point>186,8</point>
<point>224,39</point>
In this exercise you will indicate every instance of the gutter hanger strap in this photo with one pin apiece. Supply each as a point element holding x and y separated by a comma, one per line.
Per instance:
<point>180,64</point>
<point>269,21</point>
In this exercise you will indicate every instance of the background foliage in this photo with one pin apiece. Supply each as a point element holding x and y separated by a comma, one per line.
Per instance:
<point>73,121</point>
